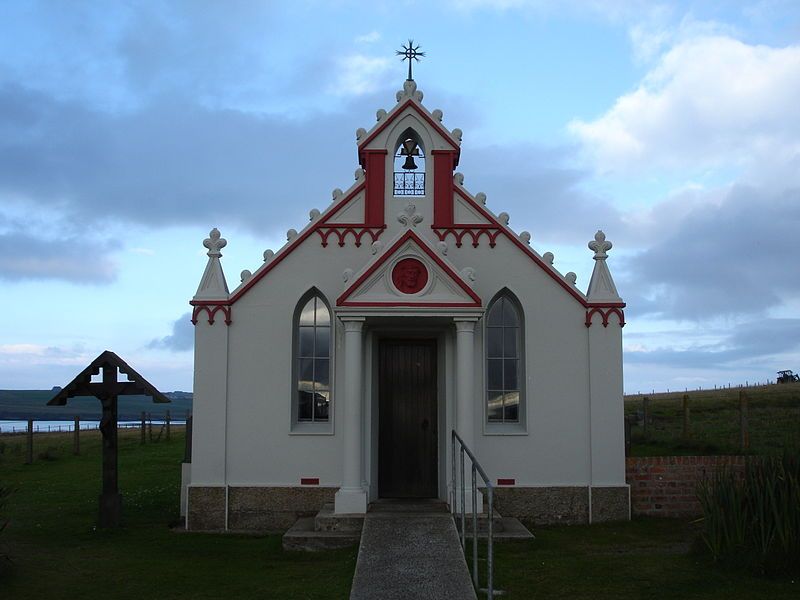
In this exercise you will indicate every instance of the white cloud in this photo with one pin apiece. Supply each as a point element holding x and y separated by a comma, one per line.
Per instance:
<point>368,38</point>
<point>710,102</point>
<point>360,74</point>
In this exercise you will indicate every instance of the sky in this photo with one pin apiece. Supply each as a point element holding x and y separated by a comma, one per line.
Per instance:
<point>129,129</point>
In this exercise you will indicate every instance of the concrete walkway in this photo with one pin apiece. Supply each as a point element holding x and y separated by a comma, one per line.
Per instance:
<point>410,550</point>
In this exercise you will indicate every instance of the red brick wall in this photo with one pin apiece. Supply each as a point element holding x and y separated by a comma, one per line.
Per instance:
<point>665,486</point>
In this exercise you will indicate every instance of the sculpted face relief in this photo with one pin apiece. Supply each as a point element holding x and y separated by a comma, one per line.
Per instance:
<point>409,276</point>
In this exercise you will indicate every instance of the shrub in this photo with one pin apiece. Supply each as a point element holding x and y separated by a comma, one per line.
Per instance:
<point>752,520</point>
<point>5,492</point>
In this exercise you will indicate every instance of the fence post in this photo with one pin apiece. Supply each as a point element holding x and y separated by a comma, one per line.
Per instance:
<point>646,413</point>
<point>744,433</point>
<point>149,427</point>
<point>166,422</point>
<point>686,416</point>
<point>143,428</point>
<point>29,458</point>
<point>76,450</point>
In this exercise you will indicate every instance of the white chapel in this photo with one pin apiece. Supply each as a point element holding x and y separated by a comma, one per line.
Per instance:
<point>407,309</point>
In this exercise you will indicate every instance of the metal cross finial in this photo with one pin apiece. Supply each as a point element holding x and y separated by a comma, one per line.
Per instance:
<point>410,53</point>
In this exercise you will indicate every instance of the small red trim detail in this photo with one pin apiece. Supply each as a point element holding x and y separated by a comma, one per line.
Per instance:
<point>211,308</point>
<point>474,231</point>
<point>409,235</point>
<point>309,481</point>
<point>507,481</point>
<point>391,117</point>
<point>605,314</point>
<point>342,229</point>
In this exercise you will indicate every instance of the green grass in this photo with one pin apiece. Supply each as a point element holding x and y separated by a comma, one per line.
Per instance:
<point>645,558</point>
<point>58,553</point>
<point>773,416</point>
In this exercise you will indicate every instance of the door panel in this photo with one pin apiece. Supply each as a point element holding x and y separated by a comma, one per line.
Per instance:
<point>408,428</point>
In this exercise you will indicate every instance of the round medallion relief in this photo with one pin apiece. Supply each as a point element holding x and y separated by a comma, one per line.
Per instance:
<point>409,276</point>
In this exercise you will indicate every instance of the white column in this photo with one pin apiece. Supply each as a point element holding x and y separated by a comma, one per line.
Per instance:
<point>465,404</point>
<point>465,381</point>
<point>351,497</point>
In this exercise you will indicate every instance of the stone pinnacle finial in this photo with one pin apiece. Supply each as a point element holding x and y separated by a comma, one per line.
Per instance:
<point>600,245</point>
<point>215,243</point>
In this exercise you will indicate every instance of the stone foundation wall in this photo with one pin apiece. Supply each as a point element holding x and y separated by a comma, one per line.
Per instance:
<point>563,504</point>
<point>254,509</point>
<point>665,486</point>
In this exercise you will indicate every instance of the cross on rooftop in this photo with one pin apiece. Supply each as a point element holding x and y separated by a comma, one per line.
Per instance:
<point>410,53</point>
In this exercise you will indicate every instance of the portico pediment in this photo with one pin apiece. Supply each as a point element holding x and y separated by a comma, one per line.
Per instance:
<point>409,273</point>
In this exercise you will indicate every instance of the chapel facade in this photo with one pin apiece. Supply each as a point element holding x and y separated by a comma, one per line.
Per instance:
<point>406,310</point>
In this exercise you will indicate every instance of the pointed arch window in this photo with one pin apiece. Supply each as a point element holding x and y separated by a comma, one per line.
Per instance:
<point>409,165</point>
<point>312,361</point>
<point>504,361</point>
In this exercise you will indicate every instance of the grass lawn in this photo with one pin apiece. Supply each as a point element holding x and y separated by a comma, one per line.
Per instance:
<point>773,416</point>
<point>57,552</point>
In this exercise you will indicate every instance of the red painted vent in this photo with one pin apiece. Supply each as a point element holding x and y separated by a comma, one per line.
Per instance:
<point>309,481</point>
<point>506,482</point>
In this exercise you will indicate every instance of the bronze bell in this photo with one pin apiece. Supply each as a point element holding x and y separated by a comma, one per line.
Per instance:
<point>409,164</point>
<point>410,150</point>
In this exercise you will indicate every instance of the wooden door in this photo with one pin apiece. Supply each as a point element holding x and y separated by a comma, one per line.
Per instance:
<point>407,442</point>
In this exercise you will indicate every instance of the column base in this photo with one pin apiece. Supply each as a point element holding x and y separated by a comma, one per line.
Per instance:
<point>350,501</point>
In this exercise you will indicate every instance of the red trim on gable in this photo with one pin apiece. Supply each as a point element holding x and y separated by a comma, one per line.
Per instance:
<point>393,115</point>
<point>615,309</point>
<point>375,168</point>
<point>345,199</point>
<point>515,240</point>
<point>276,260</point>
<point>443,166</point>
<point>342,229</point>
<point>211,307</point>
<point>409,235</point>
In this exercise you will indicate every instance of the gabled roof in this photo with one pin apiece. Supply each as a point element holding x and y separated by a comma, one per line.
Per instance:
<point>82,384</point>
<point>452,291</point>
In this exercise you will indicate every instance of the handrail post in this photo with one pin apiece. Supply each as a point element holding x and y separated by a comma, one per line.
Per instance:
<point>453,481</point>
<point>489,551</point>
<point>463,503</point>
<point>474,528</point>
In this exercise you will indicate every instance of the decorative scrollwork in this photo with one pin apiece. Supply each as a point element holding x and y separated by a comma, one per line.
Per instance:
<point>357,231</point>
<point>460,232</point>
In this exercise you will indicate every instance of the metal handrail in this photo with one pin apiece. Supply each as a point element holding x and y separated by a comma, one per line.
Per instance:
<point>476,470</point>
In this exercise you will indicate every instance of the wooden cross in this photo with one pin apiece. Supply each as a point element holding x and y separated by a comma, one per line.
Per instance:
<point>108,392</point>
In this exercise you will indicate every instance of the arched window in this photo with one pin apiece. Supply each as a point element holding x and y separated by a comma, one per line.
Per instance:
<point>409,165</point>
<point>504,364</point>
<point>312,360</point>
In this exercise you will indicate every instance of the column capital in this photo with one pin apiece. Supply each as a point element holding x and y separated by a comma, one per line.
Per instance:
<point>355,324</point>
<point>465,324</point>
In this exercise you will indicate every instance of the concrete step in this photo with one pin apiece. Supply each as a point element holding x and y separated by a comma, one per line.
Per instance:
<point>327,520</point>
<point>408,505</point>
<point>483,522</point>
<point>510,528</point>
<point>303,536</point>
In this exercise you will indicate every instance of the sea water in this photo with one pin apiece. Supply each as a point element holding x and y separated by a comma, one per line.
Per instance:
<point>9,426</point>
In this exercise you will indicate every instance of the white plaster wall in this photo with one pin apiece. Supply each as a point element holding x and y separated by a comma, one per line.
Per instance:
<point>209,404</point>
<point>261,448</point>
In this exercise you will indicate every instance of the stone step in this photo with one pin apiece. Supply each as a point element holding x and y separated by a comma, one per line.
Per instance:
<point>303,536</point>
<point>483,522</point>
<point>327,520</point>
<point>510,528</point>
